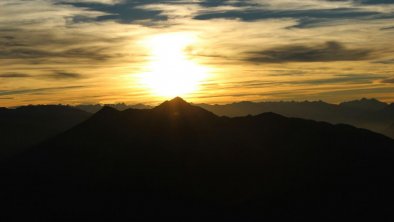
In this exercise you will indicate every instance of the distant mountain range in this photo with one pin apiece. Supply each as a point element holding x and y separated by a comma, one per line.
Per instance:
<point>365,113</point>
<point>119,106</point>
<point>26,126</point>
<point>181,162</point>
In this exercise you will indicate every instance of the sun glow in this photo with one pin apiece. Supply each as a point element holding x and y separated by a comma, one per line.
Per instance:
<point>170,72</point>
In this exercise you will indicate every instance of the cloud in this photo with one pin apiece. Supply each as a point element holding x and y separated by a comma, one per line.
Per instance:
<point>123,11</point>
<point>60,75</point>
<point>308,13</point>
<point>63,75</point>
<point>14,75</point>
<point>388,80</point>
<point>98,42</point>
<point>252,14</point>
<point>328,52</point>
<point>36,90</point>
<point>385,61</point>
<point>134,11</point>
<point>338,79</point>
<point>375,2</point>
<point>90,1</point>
<point>217,3</point>
<point>348,79</point>
<point>29,53</point>
<point>387,28</point>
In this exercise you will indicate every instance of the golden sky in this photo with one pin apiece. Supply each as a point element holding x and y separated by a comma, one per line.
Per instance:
<point>211,51</point>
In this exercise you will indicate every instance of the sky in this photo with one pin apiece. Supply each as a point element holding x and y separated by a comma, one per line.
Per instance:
<point>210,51</point>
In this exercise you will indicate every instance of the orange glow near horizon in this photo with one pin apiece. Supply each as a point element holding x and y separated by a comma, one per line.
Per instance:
<point>170,73</point>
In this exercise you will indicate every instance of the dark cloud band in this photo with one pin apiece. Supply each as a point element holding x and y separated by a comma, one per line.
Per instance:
<point>37,90</point>
<point>53,75</point>
<point>388,80</point>
<point>14,75</point>
<point>327,52</point>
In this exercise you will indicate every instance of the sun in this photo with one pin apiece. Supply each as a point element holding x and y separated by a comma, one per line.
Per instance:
<point>169,72</point>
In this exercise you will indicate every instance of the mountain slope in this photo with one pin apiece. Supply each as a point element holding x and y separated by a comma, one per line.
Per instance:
<point>181,161</point>
<point>25,126</point>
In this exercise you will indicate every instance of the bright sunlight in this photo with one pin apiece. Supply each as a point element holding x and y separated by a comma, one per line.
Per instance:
<point>170,72</point>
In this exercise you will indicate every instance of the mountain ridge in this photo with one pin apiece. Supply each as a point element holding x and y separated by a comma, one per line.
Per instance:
<point>146,163</point>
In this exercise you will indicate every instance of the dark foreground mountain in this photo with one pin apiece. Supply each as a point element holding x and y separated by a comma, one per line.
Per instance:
<point>25,126</point>
<point>182,162</point>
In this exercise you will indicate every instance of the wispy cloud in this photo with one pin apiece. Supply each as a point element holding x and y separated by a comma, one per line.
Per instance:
<point>47,43</point>
<point>36,90</point>
<point>327,52</point>
<point>59,75</point>
<point>64,75</point>
<point>14,75</point>
<point>388,80</point>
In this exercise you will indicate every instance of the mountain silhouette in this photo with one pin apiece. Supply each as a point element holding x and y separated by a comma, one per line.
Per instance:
<point>179,109</point>
<point>25,126</point>
<point>178,161</point>
<point>365,104</point>
<point>365,113</point>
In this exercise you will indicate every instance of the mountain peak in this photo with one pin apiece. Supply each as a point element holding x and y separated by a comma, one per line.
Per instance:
<point>365,104</point>
<point>176,102</point>
<point>178,107</point>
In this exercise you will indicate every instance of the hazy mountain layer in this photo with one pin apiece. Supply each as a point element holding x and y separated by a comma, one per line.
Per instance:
<point>365,113</point>
<point>25,126</point>
<point>119,106</point>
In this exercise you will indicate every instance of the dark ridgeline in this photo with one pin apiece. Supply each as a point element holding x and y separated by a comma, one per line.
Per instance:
<point>365,113</point>
<point>23,127</point>
<point>181,161</point>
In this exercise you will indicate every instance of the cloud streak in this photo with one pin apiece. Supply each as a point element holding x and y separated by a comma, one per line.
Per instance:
<point>99,43</point>
<point>65,75</point>
<point>388,80</point>
<point>328,52</point>
<point>37,90</point>
<point>14,75</point>
<point>59,75</point>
